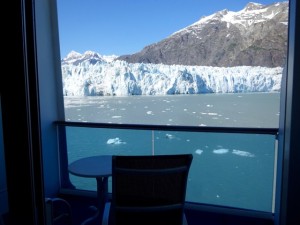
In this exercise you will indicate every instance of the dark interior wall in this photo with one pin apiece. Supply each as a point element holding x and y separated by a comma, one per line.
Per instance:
<point>3,188</point>
<point>20,118</point>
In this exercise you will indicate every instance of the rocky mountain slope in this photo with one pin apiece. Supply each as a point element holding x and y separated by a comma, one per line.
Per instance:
<point>254,36</point>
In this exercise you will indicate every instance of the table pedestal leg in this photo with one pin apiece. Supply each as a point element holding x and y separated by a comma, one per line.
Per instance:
<point>102,190</point>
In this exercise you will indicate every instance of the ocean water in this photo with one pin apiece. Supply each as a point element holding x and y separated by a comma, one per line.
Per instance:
<point>234,170</point>
<point>237,110</point>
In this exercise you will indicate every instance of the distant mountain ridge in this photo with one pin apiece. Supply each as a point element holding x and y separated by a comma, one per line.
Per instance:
<point>253,36</point>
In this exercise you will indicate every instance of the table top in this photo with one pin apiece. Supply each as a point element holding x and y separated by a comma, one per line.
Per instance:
<point>93,166</point>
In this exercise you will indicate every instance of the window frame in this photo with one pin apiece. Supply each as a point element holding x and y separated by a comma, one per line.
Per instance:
<point>45,33</point>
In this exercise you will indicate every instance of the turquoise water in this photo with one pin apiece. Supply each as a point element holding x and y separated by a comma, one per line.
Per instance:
<point>228,169</point>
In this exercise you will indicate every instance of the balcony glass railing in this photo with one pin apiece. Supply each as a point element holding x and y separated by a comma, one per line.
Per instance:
<point>231,166</point>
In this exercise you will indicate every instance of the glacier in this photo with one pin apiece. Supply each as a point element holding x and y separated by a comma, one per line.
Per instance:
<point>100,76</point>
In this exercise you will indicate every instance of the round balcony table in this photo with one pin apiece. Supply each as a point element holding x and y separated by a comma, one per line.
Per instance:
<point>98,167</point>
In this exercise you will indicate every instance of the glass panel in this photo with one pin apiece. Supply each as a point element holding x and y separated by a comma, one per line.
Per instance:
<point>228,169</point>
<point>85,142</point>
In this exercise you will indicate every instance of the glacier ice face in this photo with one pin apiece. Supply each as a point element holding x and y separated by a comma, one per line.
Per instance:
<point>102,77</point>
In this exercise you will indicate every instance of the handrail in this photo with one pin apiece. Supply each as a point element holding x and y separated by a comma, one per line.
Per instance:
<point>247,130</point>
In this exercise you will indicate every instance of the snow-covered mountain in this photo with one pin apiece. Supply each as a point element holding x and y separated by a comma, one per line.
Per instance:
<point>253,36</point>
<point>91,74</point>
<point>227,52</point>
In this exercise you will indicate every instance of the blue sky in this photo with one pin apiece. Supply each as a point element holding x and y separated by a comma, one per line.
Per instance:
<point>126,26</point>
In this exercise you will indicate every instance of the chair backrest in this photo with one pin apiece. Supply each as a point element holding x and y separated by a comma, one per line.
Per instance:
<point>149,189</point>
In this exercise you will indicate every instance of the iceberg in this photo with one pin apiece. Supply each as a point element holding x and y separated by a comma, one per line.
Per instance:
<point>115,141</point>
<point>242,153</point>
<point>220,151</point>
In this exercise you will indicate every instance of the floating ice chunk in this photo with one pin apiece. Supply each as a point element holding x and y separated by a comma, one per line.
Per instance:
<point>169,136</point>
<point>242,153</point>
<point>116,117</point>
<point>220,151</point>
<point>149,112</point>
<point>115,141</point>
<point>199,151</point>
